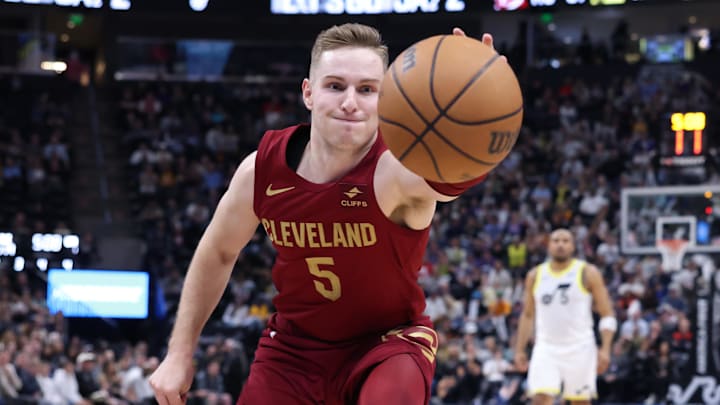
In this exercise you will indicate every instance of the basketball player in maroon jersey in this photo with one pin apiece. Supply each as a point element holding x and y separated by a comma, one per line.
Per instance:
<point>350,225</point>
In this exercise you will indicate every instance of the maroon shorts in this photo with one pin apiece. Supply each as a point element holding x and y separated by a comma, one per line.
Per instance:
<point>292,370</point>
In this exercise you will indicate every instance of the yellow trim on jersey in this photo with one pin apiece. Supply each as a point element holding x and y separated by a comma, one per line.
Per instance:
<point>578,397</point>
<point>423,335</point>
<point>580,277</point>
<point>560,273</point>
<point>545,390</point>
<point>538,275</point>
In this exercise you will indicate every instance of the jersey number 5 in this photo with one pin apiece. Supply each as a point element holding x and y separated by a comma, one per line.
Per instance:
<point>335,291</point>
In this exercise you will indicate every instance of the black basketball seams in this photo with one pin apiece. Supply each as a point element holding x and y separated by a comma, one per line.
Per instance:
<point>486,121</point>
<point>411,132</point>
<point>432,75</point>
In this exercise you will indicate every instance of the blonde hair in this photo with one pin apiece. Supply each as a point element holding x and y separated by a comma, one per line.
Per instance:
<point>349,35</point>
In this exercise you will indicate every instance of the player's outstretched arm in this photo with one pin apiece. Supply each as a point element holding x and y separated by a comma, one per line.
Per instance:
<point>230,229</point>
<point>603,306</point>
<point>526,324</point>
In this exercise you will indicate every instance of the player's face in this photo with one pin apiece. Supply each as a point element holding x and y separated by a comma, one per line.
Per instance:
<point>561,246</point>
<point>342,95</point>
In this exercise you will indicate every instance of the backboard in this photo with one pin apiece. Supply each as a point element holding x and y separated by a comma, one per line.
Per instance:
<point>649,214</point>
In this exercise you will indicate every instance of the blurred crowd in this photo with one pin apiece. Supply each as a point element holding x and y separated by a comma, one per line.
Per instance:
<point>583,140</point>
<point>35,157</point>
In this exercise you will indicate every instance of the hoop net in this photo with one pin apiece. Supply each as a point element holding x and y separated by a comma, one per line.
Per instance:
<point>672,251</point>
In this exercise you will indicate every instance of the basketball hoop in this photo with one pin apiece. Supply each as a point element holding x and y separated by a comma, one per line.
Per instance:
<point>672,251</point>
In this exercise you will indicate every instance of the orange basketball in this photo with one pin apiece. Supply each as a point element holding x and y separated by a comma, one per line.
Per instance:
<point>450,108</point>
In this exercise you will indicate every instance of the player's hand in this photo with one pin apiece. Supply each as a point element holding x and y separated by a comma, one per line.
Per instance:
<point>521,361</point>
<point>487,39</point>
<point>603,361</point>
<point>172,379</point>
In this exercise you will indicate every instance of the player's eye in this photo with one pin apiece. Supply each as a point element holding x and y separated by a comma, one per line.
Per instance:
<point>335,86</point>
<point>367,89</point>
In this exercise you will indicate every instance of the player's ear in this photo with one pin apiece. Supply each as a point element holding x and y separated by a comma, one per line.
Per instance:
<point>307,94</point>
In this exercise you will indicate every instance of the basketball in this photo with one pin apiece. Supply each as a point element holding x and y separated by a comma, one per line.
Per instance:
<point>450,108</point>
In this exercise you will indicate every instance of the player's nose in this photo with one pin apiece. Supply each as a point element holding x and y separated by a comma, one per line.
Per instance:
<point>349,104</point>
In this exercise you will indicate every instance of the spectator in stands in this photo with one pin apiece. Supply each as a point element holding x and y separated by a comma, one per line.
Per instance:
<point>66,381</point>
<point>51,393</point>
<point>136,387</point>
<point>10,382</point>
<point>26,369</point>
<point>89,384</point>
<point>210,386</point>
<point>56,149</point>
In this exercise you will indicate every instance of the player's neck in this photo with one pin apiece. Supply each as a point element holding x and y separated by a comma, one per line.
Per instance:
<point>323,163</point>
<point>560,265</point>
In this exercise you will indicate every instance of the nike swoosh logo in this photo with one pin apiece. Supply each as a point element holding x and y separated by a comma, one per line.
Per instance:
<point>270,192</point>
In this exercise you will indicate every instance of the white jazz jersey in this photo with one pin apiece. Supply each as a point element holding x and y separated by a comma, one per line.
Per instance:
<point>563,307</point>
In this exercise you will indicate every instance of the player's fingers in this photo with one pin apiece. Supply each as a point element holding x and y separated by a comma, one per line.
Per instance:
<point>160,398</point>
<point>175,399</point>
<point>458,31</point>
<point>487,39</point>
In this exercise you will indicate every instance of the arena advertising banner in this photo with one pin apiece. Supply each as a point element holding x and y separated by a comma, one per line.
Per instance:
<point>333,7</point>
<point>702,385</point>
<point>365,6</point>
<point>516,5</point>
<point>280,7</point>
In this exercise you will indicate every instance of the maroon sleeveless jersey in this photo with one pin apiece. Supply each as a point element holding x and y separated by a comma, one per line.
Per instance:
<point>343,270</point>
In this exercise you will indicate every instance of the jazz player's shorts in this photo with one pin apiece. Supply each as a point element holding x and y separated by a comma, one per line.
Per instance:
<point>293,370</point>
<point>572,368</point>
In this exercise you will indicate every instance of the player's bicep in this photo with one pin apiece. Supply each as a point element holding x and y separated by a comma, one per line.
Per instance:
<point>596,285</point>
<point>234,222</point>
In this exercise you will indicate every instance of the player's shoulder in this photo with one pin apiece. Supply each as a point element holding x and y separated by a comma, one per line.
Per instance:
<point>245,172</point>
<point>588,268</point>
<point>532,274</point>
<point>591,272</point>
<point>286,131</point>
<point>277,138</point>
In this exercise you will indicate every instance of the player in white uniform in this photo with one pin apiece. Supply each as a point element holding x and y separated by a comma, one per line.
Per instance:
<point>560,296</point>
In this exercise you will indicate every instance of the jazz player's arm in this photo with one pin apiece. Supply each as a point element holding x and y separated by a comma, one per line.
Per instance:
<point>601,302</point>
<point>230,229</point>
<point>527,319</point>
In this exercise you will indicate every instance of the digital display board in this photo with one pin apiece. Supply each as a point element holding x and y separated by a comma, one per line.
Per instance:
<point>98,293</point>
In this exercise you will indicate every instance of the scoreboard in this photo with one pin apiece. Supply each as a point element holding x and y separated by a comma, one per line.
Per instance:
<point>687,142</point>
<point>39,251</point>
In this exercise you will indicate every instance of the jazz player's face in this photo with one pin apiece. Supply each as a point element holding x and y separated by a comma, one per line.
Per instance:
<point>562,246</point>
<point>342,94</point>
